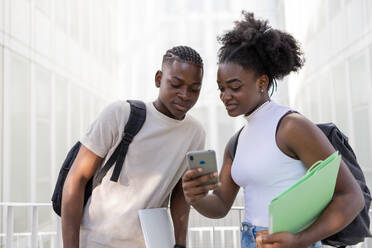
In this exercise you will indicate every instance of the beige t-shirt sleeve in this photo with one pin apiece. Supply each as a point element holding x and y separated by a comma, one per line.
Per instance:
<point>105,131</point>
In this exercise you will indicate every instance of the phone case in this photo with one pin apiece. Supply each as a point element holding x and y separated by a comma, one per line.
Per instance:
<point>203,159</point>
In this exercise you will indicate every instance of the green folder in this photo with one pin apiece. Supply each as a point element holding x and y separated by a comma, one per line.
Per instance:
<point>298,207</point>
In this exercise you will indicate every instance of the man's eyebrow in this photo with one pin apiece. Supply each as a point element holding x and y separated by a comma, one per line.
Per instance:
<point>178,79</point>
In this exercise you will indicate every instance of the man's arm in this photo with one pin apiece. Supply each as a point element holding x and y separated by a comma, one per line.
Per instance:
<point>180,213</point>
<point>83,168</point>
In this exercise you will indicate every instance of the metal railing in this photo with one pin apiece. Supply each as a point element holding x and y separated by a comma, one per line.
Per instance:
<point>35,237</point>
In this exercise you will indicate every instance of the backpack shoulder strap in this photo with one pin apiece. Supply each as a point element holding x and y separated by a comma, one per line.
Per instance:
<point>233,143</point>
<point>135,122</point>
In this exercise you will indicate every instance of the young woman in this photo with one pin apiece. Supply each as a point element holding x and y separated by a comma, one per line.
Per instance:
<point>275,148</point>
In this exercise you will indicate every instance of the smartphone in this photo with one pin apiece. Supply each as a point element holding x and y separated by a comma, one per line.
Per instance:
<point>203,159</point>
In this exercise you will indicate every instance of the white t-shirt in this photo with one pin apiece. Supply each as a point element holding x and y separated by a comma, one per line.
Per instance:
<point>155,162</point>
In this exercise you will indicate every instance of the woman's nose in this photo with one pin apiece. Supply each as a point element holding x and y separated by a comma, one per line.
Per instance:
<point>225,96</point>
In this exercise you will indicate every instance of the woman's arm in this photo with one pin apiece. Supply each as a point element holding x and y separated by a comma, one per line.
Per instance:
<point>300,138</point>
<point>217,204</point>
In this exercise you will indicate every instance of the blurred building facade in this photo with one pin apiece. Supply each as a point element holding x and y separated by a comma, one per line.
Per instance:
<point>61,62</point>
<point>58,68</point>
<point>335,83</point>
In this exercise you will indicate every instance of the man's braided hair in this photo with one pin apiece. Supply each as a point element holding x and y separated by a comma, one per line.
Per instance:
<point>183,54</point>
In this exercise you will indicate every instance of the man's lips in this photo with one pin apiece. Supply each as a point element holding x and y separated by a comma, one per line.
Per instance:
<point>180,107</point>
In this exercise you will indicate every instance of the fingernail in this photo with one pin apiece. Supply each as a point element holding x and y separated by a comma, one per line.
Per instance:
<point>215,174</point>
<point>200,170</point>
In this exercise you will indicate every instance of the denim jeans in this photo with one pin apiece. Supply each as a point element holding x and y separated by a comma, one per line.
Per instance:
<point>249,232</point>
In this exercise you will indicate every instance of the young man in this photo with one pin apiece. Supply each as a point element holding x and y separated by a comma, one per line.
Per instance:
<point>153,165</point>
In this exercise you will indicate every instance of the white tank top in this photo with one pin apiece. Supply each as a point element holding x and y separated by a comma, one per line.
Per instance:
<point>259,166</point>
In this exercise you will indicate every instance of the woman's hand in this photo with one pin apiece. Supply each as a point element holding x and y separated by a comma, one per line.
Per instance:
<point>192,188</point>
<point>279,240</point>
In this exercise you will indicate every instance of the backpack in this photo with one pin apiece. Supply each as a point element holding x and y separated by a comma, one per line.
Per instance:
<point>358,229</point>
<point>135,121</point>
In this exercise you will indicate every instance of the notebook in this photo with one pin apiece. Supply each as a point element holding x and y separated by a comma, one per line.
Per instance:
<point>157,228</point>
<point>298,207</point>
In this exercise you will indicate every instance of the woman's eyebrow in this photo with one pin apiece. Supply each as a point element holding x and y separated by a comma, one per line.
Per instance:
<point>233,80</point>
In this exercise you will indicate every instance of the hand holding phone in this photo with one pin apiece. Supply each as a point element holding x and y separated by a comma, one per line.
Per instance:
<point>206,160</point>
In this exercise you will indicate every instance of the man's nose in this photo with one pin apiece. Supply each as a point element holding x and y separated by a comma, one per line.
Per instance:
<point>184,93</point>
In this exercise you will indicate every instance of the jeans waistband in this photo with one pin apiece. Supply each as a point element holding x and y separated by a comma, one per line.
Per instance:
<point>246,226</point>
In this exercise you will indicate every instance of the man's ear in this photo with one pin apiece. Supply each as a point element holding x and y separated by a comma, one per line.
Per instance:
<point>158,76</point>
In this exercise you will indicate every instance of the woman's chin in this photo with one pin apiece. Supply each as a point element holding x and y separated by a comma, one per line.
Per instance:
<point>233,114</point>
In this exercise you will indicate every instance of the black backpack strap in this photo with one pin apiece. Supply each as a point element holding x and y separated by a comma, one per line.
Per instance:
<point>281,118</point>
<point>233,143</point>
<point>135,122</point>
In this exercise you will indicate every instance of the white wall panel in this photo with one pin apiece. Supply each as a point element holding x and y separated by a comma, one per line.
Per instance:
<point>44,6</point>
<point>359,78</point>
<point>61,119</point>
<point>362,129</point>
<point>61,49</point>
<point>1,122</point>
<point>41,33</point>
<point>2,2</point>
<point>18,95</point>
<point>342,103</point>
<point>355,20</point>
<point>20,20</point>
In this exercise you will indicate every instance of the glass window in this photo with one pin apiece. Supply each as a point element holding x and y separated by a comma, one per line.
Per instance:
<point>1,126</point>
<point>314,101</point>
<point>362,136</point>
<point>86,14</point>
<point>325,99</point>
<point>42,81</point>
<point>341,98</point>
<point>334,6</point>
<point>195,5</point>
<point>74,114</point>
<point>20,19</point>
<point>368,7</point>
<point>221,5</point>
<point>86,111</point>
<point>61,118</point>
<point>74,17</point>
<point>60,14</point>
<point>18,84</point>
<point>171,7</point>
<point>2,14</point>
<point>370,58</point>
<point>195,35</point>
<point>43,5</point>
<point>358,72</point>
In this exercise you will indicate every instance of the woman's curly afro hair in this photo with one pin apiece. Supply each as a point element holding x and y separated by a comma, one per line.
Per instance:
<point>254,45</point>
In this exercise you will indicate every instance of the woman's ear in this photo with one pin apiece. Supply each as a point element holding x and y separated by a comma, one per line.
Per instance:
<point>262,83</point>
<point>158,76</point>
